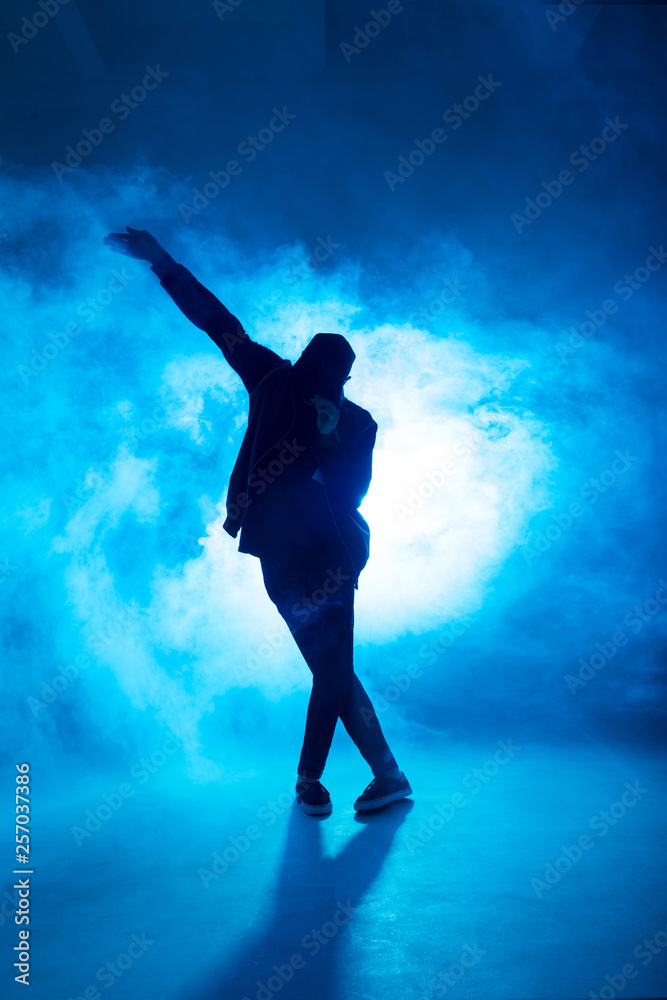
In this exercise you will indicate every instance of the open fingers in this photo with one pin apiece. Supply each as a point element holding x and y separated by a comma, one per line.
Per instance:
<point>119,243</point>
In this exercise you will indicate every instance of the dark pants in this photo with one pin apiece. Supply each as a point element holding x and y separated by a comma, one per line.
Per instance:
<point>317,603</point>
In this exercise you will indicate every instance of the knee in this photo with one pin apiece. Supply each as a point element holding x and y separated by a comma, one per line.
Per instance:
<point>333,687</point>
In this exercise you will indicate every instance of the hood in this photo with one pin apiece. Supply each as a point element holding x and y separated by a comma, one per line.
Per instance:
<point>323,366</point>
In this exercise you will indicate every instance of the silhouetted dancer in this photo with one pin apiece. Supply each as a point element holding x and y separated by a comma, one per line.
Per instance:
<point>303,468</point>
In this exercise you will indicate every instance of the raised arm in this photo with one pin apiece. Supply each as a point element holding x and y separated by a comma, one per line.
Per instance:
<point>250,360</point>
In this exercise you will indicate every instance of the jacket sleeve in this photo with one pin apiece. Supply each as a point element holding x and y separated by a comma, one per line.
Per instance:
<point>345,459</point>
<point>251,361</point>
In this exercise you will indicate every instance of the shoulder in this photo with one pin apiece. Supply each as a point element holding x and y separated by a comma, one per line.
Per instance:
<point>275,379</point>
<point>359,418</point>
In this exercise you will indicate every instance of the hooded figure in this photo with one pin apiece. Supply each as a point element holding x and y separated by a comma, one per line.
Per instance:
<point>303,468</point>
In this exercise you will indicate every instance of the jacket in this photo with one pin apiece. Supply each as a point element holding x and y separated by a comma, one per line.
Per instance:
<point>274,460</point>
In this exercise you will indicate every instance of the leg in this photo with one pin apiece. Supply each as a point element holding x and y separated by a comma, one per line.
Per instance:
<point>319,611</point>
<point>358,716</point>
<point>361,722</point>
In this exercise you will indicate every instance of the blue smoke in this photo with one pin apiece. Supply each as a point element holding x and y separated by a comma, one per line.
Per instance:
<point>498,270</point>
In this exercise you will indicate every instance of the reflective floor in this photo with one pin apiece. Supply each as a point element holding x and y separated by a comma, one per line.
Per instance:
<point>515,870</point>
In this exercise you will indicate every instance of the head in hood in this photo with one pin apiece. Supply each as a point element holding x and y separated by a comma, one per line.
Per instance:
<point>323,367</point>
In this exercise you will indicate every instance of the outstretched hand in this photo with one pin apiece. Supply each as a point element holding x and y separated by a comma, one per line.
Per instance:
<point>327,414</point>
<point>136,243</point>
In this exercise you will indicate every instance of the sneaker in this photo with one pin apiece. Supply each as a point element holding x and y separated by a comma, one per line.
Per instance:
<point>383,790</point>
<point>313,798</point>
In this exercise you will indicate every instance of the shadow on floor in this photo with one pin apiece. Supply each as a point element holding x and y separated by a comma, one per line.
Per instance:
<point>309,915</point>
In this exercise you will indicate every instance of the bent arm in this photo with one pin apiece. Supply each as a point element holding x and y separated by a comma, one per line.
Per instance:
<point>251,361</point>
<point>345,458</point>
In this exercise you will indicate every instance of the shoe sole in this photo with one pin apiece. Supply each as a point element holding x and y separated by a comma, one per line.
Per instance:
<point>313,810</point>
<point>362,806</point>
